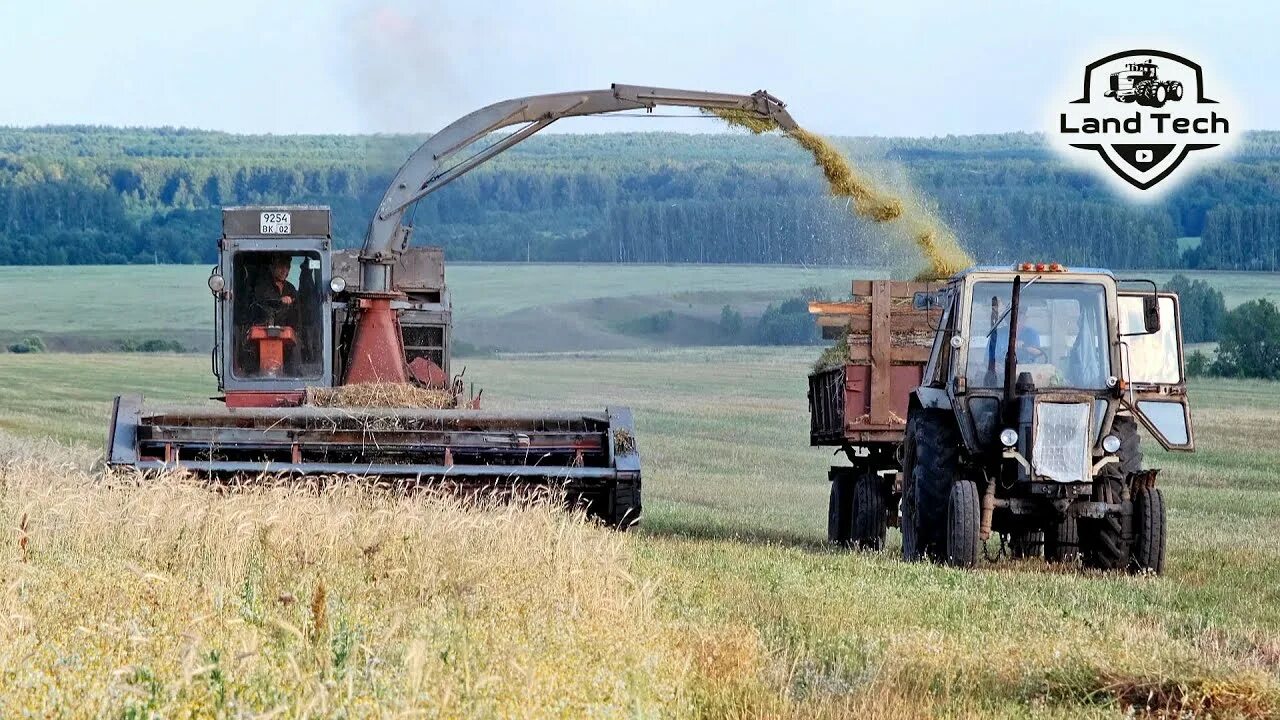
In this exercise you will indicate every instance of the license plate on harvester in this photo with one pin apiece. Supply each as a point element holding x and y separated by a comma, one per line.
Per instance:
<point>276,223</point>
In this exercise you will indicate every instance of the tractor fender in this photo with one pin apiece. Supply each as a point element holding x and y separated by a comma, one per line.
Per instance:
<point>932,398</point>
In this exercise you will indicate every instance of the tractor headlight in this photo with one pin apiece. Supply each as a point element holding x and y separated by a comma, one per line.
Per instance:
<point>1111,443</point>
<point>216,283</point>
<point>1008,437</point>
<point>338,283</point>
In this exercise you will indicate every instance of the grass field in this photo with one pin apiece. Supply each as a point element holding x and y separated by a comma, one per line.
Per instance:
<point>515,306</point>
<point>727,600</point>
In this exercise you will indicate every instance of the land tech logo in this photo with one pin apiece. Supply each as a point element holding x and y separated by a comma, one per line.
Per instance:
<point>1143,112</point>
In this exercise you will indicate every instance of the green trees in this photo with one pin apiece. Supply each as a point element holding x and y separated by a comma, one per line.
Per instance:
<point>788,323</point>
<point>105,195</point>
<point>1203,308</point>
<point>1249,344</point>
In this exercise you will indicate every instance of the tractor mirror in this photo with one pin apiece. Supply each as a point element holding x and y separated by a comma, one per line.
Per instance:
<point>1151,314</point>
<point>927,300</point>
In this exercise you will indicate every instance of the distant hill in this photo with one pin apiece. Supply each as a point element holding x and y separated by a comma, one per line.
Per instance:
<point>93,195</point>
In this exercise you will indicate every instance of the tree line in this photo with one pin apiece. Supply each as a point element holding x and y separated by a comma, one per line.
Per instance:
<point>89,195</point>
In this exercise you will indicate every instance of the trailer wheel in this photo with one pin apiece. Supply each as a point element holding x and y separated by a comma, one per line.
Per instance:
<point>1062,541</point>
<point>935,468</point>
<point>1027,543</point>
<point>963,518</point>
<point>840,506</point>
<point>1148,531</point>
<point>870,518</point>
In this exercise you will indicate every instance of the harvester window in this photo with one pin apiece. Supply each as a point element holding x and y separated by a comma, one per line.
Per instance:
<point>1061,338</point>
<point>277,315</point>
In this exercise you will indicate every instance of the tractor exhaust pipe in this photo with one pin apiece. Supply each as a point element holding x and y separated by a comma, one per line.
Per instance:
<point>1011,354</point>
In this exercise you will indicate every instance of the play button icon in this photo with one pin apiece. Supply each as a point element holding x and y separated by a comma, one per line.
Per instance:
<point>1142,157</point>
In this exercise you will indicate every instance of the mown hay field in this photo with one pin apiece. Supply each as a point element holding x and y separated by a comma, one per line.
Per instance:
<point>100,306</point>
<point>172,600</point>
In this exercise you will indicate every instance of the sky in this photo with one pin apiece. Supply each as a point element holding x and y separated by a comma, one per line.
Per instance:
<point>354,66</point>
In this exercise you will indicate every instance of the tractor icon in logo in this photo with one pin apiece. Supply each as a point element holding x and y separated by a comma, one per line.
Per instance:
<point>1139,83</point>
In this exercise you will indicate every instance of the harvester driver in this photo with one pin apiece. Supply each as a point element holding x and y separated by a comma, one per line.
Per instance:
<point>273,331</point>
<point>274,297</point>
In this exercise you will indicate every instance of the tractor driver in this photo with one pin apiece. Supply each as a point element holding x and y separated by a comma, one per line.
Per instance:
<point>274,297</point>
<point>1029,349</point>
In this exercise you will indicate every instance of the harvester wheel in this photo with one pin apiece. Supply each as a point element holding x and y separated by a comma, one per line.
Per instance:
<point>622,506</point>
<point>934,467</point>
<point>1148,531</point>
<point>870,519</point>
<point>963,519</point>
<point>1102,542</point>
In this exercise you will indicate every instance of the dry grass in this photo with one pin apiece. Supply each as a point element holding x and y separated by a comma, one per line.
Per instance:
<point>166,599</point>
<point>380,395</point>
<point>727,592</point>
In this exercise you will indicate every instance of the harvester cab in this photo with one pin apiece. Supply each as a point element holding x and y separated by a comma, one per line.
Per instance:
<point>286,308</point>
<point>273,291</point>
<point>1026,420</point>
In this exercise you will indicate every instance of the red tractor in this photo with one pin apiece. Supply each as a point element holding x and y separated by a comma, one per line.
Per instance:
<point>1140,83</point>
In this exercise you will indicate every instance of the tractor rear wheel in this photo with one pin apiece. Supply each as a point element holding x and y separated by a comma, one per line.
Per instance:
<point>933,466</point>
<point>1175,90</point>
<point>963,521</point>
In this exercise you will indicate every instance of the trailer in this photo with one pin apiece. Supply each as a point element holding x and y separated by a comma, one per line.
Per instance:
<point>860,406</point>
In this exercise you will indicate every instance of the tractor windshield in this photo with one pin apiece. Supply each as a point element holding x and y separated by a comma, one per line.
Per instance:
<point>1061,338</point>
<point>277,315</point>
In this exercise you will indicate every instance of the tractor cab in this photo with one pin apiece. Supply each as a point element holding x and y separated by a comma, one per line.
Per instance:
<point>1037,361</point>
<point>272,293</point>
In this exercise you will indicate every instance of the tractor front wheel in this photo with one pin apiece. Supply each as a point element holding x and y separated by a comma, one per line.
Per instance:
<point>1148,531</point>
<point>963,522</point>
